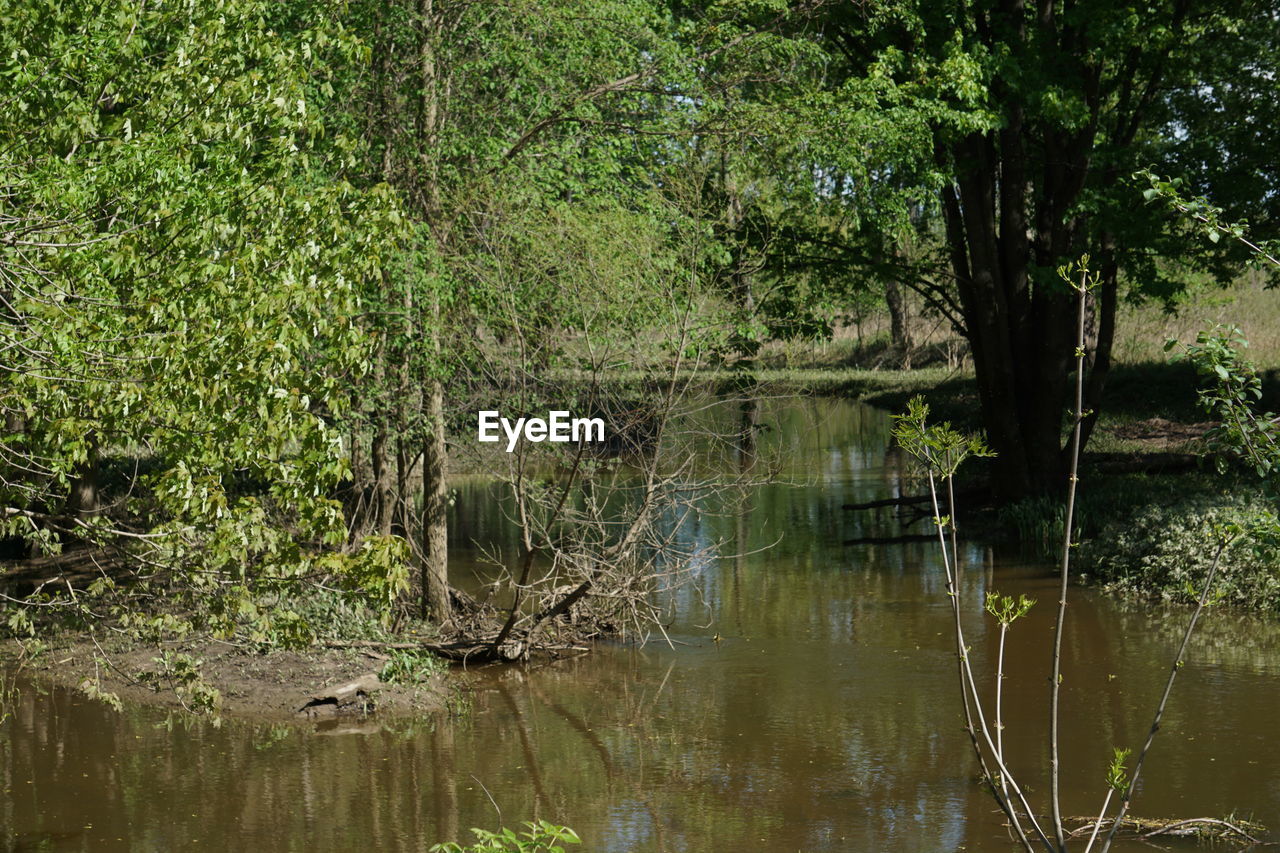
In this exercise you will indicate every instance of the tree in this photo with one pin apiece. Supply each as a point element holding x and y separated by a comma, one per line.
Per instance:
<point>479,115</point>
<point>1036,115</point>
<point>181,264</point>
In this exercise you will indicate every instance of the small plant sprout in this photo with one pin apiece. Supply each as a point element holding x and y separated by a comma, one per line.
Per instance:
<point>1117,783</point>
<point>1117,775</point>
<point>1006,610</point>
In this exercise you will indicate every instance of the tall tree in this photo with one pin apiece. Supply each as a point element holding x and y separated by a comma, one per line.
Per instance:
<point>180,266</point>
<point>477,114</point>
<point>1037,115</point>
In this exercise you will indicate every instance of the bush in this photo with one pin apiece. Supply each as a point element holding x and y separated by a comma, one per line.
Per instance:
<point>1165,550</point>
<point>410,667</point>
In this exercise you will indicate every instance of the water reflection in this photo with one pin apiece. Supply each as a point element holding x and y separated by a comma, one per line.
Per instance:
<point>808,702</point>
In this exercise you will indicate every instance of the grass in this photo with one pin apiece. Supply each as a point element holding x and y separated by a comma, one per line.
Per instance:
<point>1141,330</point>
<point>1144,382</point>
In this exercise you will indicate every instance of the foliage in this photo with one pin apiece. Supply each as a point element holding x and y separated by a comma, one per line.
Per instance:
<point>181,673</point>
<point>939,447</point>
<point>92,687</point>
<point>1117,775</point>
<point>541,837</point>
<point>1162,551</point>
<point>1233,389</point>
<point>1031,120</point>
<point>410,667</point>
<point>1109,503</point>
<point>182,263</point>
<point>9,696</point>
<point>1006,609</point>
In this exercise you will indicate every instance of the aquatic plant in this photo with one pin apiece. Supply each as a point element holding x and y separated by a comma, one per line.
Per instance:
<point>540,837</point>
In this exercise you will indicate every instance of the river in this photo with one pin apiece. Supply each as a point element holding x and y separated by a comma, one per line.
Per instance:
<point>807,701</point>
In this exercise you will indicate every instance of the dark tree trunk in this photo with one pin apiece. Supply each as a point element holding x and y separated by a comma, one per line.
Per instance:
<point>82,500</point>
<point>384,497</point>
<point>1012,216</point>
<point>1020,334</point>
<point>899,328</point>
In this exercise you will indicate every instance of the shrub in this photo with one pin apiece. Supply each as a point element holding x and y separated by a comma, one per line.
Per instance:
<point>1164,549</point>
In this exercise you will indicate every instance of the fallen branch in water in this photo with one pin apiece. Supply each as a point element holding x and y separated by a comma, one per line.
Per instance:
<point>899,501</point>
<point>1145,828</point>
<point>908,501</point>
<point>462,651</point>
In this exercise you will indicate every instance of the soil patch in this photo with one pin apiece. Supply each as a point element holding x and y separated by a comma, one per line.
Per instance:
<point>273,687</point>
<point>1159,433</point>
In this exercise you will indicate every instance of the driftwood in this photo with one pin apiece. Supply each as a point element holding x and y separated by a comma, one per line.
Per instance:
<point>466,651</point>
<point>352,698</point>
<point>1202,827</point>
<point>477,639</point>
<point>913,501</point>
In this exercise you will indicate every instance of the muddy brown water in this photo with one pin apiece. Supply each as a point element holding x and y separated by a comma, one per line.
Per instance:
<point>824,718</point>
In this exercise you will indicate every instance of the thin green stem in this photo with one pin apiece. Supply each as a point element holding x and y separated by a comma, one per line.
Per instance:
<point>1164,699</point>
<point>972,701</point>
<point>1055,793</point>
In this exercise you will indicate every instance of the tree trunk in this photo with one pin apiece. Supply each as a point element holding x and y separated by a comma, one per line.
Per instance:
<point>740,285</point>
<point>899,329</point>
<point>435,496</point>
<point>82,500</point>
<point>435,493</point>
<point>383,489</point>
<point>1020,336</point>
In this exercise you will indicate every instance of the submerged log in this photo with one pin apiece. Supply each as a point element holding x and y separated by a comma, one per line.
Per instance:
<point>898,501</point>
<point>914,501</point>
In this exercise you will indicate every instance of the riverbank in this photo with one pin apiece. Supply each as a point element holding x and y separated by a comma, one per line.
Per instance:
<point>1149,496</point>
<point>219,680</point>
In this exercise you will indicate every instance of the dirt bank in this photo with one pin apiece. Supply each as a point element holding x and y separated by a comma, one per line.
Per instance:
<point>278,686</point>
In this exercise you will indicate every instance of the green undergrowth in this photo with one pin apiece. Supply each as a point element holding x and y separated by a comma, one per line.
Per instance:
<point>1037,522</point>
<point>538,837</point>
<point>1150,536</point>
<point>1165,551</point>
<point>411,667</point>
